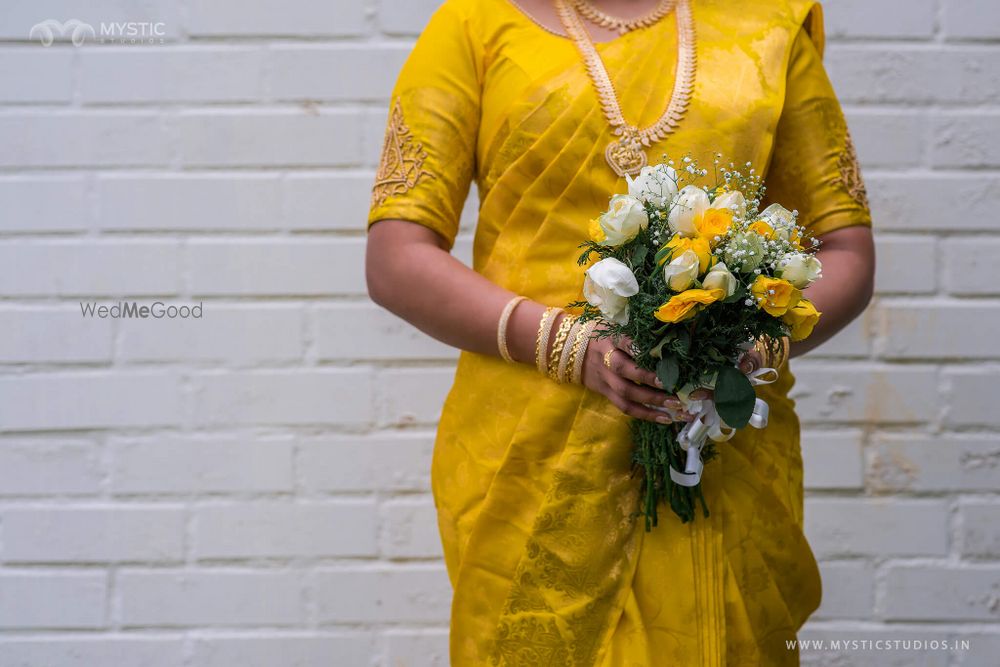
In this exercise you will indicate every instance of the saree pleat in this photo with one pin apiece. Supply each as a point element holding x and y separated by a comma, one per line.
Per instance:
<point>533,483</point>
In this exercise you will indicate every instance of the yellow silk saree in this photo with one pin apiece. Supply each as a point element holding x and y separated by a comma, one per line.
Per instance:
<point>531,479</point>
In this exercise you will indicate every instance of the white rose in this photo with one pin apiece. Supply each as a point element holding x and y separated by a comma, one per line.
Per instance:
<point>681,271</point>
<point>656,185</point>
<point>623,220</point>
<point>801,269</point>
<point>781,219</point>
<point>690,204</point>
<point>732,201</point>
<point>719,277</point>
<point>607,286</point>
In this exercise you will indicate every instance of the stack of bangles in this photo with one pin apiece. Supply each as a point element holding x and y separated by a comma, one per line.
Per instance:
<point>564,363</point>
<point>773,352</point>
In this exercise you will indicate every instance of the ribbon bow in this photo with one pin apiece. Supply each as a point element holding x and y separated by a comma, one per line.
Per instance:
<point>708,424</point>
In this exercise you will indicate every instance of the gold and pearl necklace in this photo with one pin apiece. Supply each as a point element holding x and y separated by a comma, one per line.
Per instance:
<point>626,155</point>
<point>597,17</point>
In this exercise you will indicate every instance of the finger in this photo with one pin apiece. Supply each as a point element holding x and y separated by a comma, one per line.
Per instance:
<point>624,366</point>
<point>640,394</point>
<point>700,394</point>
<point>625,344</point>
<point>750,362</point>
<point>640,411</point>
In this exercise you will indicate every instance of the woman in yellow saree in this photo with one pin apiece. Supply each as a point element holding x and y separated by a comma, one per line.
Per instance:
<point>531,478</point>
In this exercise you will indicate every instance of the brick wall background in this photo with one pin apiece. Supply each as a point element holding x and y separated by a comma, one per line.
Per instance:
<point>252,488</point>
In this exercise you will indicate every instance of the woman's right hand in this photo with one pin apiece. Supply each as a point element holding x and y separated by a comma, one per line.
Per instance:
<point>635,391</point>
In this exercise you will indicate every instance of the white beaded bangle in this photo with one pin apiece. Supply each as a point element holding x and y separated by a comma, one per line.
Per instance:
<point>502,327</point>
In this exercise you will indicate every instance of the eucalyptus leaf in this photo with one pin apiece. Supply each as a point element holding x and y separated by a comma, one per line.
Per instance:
<point>669,371</point>
<point>734,396</point>
<point>639,254</point>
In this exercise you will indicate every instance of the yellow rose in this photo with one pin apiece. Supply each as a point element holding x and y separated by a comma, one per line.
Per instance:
<point>802,317</point>
<point>687,304</point>
<point>596,232</point>
<point>763,228</point>
<point>714,222</point>
<point>679,244</point>
<point>775,295</point>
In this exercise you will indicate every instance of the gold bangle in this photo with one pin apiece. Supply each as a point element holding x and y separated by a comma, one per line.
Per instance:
<point>542,338</point>
<point>565,359</point>
<point>502,327</point>
<point>580,351</point>
<point>557,346</point>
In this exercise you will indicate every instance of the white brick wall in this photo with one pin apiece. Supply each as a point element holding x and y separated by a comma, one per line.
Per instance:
<point>252,488</point>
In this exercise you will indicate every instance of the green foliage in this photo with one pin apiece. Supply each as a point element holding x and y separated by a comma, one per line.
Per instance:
<point>734,396</point>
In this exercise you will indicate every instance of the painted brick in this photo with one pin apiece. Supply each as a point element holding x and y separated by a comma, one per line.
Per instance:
<point>244,334</point>
<point>390,462</point>
<point>49,467</point>
<point>268,649</point>
<point>919,462</point>
<point>970,265</point>
<point>968,388</point>
<point>179,202</point>
<point>410,594</point>
<point>44,204</point>
<point>94,650</point>
<point>182,465</point>
<point>409,529</point>
<point>848,590</point>
<point>320,72</point>
<point>285,530</point>
<point>942,593</point>
<point>81,139</point>
<point>93,535</point>
<point>903,202</point>
<point>53,334</point>
<point>323,267</point>
<point>935,330</point>
<point>884,19</point>
<point>879,527</point>
<point>23,596</point>
<point>52,401</point>
<point>90,268</point>
<point>966,140</point>
<point>366,331</point>
<point>171,75</point>
<point>905,265</point>
<point>171,598</point>
<point>413,396</point>
<point>269,139</point>
<point>825,393</point>
<point>282,397</point>
<point>271,17</point>
<point>832,460</point>
<point>970,19</point>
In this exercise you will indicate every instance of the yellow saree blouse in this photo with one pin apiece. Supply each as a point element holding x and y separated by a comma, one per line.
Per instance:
<point>532,479</point>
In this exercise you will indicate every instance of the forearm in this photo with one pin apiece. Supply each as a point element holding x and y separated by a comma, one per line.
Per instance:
<point>846,287</point>
<point>413,277</point>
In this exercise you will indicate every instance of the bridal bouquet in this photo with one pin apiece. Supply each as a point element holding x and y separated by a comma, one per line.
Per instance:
<point>695,276</point>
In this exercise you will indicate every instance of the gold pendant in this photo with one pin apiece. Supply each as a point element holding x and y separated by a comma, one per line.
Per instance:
<point>626,156</point>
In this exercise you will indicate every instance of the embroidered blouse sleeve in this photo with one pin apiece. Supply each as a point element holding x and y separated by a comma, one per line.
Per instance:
<point>428,154</point>
<point>814,167</point>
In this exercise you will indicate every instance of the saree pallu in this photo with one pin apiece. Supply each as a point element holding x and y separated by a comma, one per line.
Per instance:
<point>532,480</point>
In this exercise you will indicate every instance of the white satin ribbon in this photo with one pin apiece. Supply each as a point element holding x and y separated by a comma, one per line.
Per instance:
<point>707,424</point>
